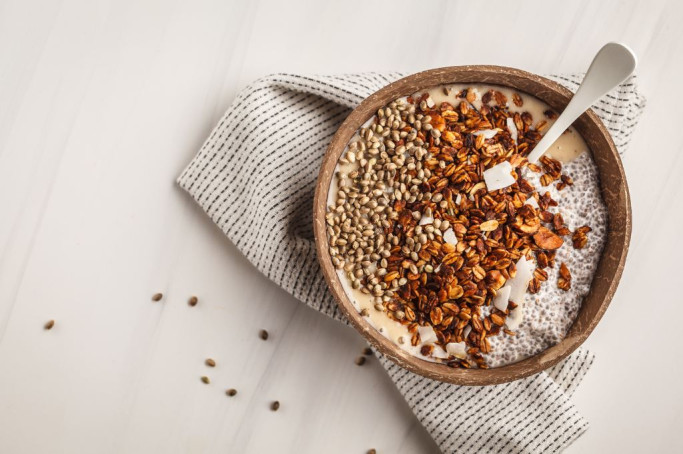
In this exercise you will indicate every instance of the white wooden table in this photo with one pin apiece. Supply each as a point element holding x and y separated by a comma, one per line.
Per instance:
<point>102,103</point>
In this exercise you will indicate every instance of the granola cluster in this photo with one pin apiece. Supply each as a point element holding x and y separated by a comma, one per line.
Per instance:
<point>414,225</point>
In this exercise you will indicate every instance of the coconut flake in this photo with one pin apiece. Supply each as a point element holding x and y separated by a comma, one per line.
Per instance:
<point>519,283</point>
<point>512,128</point>
<point>427,334</point>
<point>430,102</point>
<point>458,199</point>
<point>426,220</point>
<point>514,319</point>
<point>449,237</point>
<point>498,176</point>
<point>439,352</point>
<point>457,349</point>
<point>518,286</point>
<point>466,332</point>
<point>487,133</point>
<point>502,297</point>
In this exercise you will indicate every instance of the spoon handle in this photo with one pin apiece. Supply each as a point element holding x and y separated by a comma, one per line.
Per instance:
<point>610,67</point>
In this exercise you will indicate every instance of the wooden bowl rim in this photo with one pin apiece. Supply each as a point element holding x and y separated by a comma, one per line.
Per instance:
<point>454,75</point>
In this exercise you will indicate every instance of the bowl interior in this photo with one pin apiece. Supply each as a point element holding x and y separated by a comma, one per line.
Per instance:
<point>614,192</point>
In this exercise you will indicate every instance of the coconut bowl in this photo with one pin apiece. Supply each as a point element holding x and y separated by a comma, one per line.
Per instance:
<point>612,185</point>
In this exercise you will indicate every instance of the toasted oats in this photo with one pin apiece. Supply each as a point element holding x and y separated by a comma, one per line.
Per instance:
<point>497,319</point>
<point>426,350</point>
<point>517,99</point>
<point>546,179</point>
<point>580,238</point>
<point>471,95</point>
<point>564,282</point>
<point>488,226</point>
<point>542,259</point>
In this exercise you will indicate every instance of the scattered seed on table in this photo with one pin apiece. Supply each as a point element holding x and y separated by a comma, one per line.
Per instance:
<point>231,392</point>
<point>209,362</point>
<point>372,451</point>
<point>367,351</point>
<point>263,334</point>
<point>157,296</point>
<point>275,405</point>
<point>49,324</point>
<point>360,360</point>
<point>205,380</point>
<point>193,301</point>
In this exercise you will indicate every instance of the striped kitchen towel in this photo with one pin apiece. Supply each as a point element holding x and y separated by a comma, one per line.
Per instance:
<point>255,177</point>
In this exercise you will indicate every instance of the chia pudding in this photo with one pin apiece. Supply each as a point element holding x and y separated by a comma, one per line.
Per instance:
<point>447,270</point>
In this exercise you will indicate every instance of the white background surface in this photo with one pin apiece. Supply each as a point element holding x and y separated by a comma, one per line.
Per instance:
<point>102,103</point>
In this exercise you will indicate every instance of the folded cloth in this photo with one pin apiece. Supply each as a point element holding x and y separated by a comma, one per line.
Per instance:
<point>255,177</point>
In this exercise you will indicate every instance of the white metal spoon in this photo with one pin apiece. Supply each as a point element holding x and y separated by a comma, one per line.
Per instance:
<point>610,67</point>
